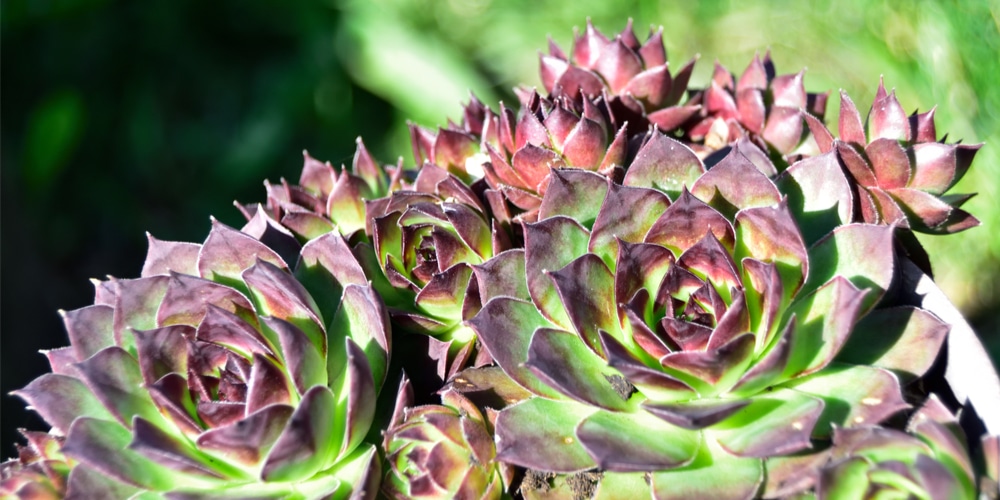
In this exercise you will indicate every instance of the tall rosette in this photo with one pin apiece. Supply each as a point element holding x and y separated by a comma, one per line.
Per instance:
<point>635,77</point>
<point>219,374</point>
<point>770,110</point>
<point>900,171</point>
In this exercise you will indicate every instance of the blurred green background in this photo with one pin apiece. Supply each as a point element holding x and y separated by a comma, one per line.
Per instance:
<point>120,117</point>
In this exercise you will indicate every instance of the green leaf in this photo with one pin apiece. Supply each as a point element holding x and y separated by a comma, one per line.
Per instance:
<point>712,474</point>
<point>862,253</point>
<point>540,434</point>
<point>635,442</point>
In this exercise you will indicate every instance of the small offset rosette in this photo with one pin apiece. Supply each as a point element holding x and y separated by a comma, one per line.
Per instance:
<point>930,460</point>
<point>425,243</point>
<point>898,169</point>
<point>442,451</point>
<point>770,110</point>
<point>326,198</point>
<point>220,374</point>
<point>634,76</point>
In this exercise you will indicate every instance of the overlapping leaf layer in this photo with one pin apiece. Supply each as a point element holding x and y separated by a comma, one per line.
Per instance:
<point>626,288</point>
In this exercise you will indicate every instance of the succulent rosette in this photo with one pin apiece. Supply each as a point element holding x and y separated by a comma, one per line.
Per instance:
<point>900,171</point>
<point>515,151</point>
<point>634,75</point>
<point>442,451</point>
<point>930,460</point>
<point>40,470</point>
<point>328,199</point>
<point>674,343</point>
<point>218,374</point>
<point>769,109</point>
<point>425,241</point>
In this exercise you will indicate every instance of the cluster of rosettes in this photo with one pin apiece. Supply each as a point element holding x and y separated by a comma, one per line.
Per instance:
<point>626,288</point>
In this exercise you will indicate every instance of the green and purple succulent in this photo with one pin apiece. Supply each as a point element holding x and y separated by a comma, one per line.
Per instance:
<point>701,343</point>
<point>898,168</point>
<point>625,288</point>
<point>215,375</point>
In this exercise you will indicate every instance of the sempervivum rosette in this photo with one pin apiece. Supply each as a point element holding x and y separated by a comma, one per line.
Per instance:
<point>930,460</point>
<point>515,151</point>
<point>327,199</point>
<point>769,109</point>
<point>899,169</point>
<point>635,76</point>
<point>674,344</point>
<point>40,470</point>
<point>442,451</point>
<point>218,374</point>
<point>425,242</point>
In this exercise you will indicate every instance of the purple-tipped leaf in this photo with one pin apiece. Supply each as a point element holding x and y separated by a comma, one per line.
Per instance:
<point>664,164</point>
<point>587,379</point>
<point>853,395</point>
<point>540,434</point>
<point>308,442</point>
<point>505,327</point>
<point>636,442</point>
<point>165,256</point>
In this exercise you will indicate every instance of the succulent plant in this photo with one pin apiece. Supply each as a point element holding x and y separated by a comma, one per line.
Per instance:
<point>635,77</point>
<point>40,470</point>
<point>662,336</point>
<point>216,375</point>
<point>425,244</point>
<point>899,169</point>
<point>769,109</point>
<point>326,199</point>
<point>442,451</point>
<point>621,295</point>
<point>930,461</point>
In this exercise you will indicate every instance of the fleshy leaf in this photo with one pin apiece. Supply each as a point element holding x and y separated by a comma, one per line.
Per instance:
<point>362,317</point>
<point>103,446</point>
<point>735,182</point>
<point>165,256</point>
<point>825,320</point>
<point>770,234</point>
<point>505,327</point>
<point>248,440</point>
<point>665,165</point>
<point>627,214</point>
<point>862,253</point>
<point>853,395</point>
<point>113,376</point>
<point>686,221</point>
<point>586,288</point>
<point>818,195</point>
<point>278,294</point>
<point>540,434</point>
<point>227,252</point>
<point>714,473</point>
<point>308,442</point>
<point>696,414</point>
<point>90,329</point>
<point>573,193</point>
<point>776,423</point>
<point>586,379</point>
<point>502,276</point>
<point>905,340</point>
<point>634,442</point>
<point>59,399</point>
<point>548,246</point>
